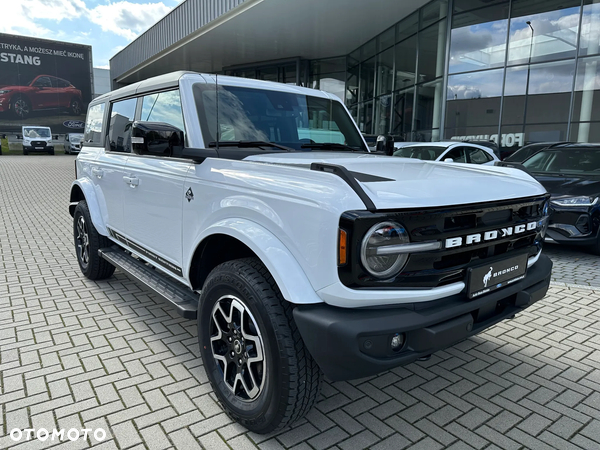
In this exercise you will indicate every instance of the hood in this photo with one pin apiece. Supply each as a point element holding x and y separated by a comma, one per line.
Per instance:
<point>13,88</point>
<point>570,186</point>
<point>393,182</point>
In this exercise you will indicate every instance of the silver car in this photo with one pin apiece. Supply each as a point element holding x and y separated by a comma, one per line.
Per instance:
<point>72,142</point>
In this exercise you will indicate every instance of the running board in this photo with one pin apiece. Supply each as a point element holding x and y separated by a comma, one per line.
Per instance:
<point>184,300</point>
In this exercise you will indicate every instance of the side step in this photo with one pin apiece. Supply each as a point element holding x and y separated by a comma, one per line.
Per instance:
<point>176,293</point>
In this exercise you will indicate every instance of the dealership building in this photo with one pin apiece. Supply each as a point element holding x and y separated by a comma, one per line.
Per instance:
<point>514,71</point>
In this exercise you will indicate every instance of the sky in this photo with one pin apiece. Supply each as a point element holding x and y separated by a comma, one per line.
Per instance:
<point>106,25</point>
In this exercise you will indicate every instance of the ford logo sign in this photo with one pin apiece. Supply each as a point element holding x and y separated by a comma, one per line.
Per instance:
<point>75,124</point>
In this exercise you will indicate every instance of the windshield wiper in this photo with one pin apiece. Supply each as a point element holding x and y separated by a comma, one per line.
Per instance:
<point>329,146</point>
<point>250,144</point>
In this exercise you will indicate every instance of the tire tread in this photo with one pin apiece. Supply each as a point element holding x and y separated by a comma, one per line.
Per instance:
<point>305,375</point>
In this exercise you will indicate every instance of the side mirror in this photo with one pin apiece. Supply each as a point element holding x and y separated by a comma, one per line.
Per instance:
<point>448,160</point>
<point>385,144</point>
<point>156,138</point>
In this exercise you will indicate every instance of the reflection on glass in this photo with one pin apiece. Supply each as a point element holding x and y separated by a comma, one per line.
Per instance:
<point>473,100</point>
<point>466,5</point>
<point>292,120</point>
<point>586,106</point>
<point>163,107</point>
<point>407,27</point>
<point>429,108</point>
<point>386,39</point>
<point>93,124</point>
<point>432,46</point>
<point>478,39</point>
<point>402,115</point>
<point>474,85</point>
<point>432,12</point>
<point>367,79</point>
<point>383,108</point>
<point>385,72</point>
<point>406,61</point>
<point>589,43</point>
<point>552,34</point>
<point>545,99</point>
<point>365,117</point>
<point>352,85</point>
<point>590,129</point>
<point>267,74</point>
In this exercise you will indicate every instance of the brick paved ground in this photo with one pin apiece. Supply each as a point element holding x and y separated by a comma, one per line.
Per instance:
<point>80,354</point>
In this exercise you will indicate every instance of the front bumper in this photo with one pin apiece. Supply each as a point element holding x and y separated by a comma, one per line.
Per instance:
<point>45,149</point>
<point>574,225</point>
<point>350,343</point>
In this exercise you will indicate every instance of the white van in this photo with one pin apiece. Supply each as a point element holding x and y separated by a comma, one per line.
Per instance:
<point>37,139</point>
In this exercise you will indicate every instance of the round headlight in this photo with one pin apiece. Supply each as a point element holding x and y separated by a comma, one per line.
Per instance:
<point>382,235</point>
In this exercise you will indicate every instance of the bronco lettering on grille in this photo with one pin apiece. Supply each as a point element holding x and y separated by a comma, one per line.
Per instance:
<point>489,235</point>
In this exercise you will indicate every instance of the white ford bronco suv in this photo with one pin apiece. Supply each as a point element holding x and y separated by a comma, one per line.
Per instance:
<point>256,209</point>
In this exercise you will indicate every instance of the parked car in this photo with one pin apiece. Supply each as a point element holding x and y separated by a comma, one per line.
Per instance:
<point>72,142</point>
<point>37,139</point>
<point>449,151</point>
<point>527,150</point>
<point>43,92</point>
<point>571,174</point>
<point>299,253</point>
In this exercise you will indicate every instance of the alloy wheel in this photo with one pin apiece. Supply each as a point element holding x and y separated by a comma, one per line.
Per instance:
<point>21,108</point>
<point>83,242</point>
<point>237,346</point>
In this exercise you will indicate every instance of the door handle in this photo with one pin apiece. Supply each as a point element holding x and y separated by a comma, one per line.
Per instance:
<point>97,172</point>
<point>131,181</point>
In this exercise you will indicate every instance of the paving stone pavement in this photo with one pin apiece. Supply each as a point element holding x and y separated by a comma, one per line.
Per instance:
<point>81,354</point>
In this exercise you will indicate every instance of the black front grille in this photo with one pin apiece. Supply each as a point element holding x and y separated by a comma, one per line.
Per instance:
<point>38,143</point>
<point>447,265</point>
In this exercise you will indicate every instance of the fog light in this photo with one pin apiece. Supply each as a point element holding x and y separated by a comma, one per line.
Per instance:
<point>397,341</point>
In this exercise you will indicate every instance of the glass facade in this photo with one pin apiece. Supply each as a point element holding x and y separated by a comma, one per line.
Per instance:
<point>513,71</point>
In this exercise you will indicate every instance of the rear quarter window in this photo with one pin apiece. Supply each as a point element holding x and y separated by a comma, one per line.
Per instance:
<point>94,124</point>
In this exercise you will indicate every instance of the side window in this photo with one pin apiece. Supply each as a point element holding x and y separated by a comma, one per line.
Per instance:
<point>457,155</point>
<point>163,107</point>
<point>478,156</point>
<point>93,124</point>
<point>121,118</point>
<point>43,82</point>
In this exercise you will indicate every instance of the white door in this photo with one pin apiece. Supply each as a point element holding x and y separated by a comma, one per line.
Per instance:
<point>153,208</point>
<point>155,190</point>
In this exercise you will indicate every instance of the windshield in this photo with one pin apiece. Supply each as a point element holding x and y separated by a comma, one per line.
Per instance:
<point>288,119</point>
<point>565,161</point>
<point>424,152</point>
<point>75,138</point>
<point>32,132</point>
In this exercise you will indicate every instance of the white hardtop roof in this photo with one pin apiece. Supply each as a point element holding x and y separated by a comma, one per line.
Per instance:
<point>171,80</point>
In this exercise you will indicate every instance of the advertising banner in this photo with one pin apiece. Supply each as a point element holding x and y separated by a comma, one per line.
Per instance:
<point>44,83</point>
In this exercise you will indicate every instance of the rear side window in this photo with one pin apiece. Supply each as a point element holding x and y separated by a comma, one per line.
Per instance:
<point>163,107</point>
<point>93,125</point>
<point>119,132</point>
<point>478,156</point>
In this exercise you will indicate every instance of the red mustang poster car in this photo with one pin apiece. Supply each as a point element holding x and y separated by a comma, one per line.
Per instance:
<point>42,93</point>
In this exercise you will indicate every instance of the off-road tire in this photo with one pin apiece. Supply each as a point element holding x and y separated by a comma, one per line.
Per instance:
<point>292,378</point>
<point>95,268</point>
